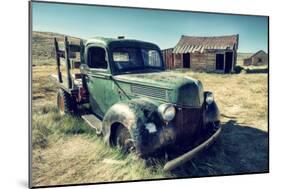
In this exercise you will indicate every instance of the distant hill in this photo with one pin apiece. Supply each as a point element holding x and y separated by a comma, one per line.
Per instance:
<point>43,45</point>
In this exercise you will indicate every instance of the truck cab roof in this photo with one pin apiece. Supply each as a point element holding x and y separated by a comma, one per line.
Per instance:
<point>115,42</point>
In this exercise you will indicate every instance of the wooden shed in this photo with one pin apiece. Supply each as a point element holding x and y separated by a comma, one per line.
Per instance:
<point>258,59</point>
<point>210,54</point>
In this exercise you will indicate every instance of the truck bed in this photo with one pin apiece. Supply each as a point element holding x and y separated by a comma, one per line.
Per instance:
<point>76,82</point>
<point>68,74</point>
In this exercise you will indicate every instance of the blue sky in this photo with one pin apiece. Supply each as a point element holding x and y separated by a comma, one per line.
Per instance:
<point>161,27</point>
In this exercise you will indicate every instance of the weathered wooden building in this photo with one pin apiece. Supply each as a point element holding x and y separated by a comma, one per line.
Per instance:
<point>210,54</point>
<point>258,59</point>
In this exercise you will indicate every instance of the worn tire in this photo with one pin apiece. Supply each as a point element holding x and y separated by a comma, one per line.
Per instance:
<point>123,139</point>
<point>65,103</point>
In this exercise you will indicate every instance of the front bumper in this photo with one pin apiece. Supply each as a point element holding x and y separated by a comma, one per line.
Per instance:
<point>191,127</point>
<point>172,164</point>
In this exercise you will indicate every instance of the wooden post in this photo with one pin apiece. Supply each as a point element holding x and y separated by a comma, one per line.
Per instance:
<point>57,59</point>
<point>82,49</point>
<point>67,61</point>
<point>233,61</point>
<point>83,61</point>
<point>224,62</point>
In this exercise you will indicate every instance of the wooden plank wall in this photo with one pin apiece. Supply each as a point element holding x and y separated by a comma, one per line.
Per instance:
<point>168,58</point>
<point>178,61</point>
<point>203,61</point>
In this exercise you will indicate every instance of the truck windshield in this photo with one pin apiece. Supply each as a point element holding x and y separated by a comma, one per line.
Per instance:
<point>131,59</point>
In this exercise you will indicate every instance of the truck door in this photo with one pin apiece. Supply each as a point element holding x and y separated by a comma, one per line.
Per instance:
<point>97,77</point>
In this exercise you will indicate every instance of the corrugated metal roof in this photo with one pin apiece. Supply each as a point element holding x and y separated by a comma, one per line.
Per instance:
<point>199,44</point>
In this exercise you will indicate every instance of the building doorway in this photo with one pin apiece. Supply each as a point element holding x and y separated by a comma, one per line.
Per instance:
<point>220,62</point>
<point>228,62</point>
<point>186,60</point>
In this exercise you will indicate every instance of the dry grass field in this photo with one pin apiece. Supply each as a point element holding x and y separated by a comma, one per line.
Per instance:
<point>67,151</point>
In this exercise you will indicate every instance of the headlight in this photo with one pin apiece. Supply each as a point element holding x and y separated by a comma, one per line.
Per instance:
<point>167,111</point>
<point>209,98</point>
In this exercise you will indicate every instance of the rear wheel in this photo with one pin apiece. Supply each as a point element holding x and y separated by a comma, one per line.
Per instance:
<point>65,103</point>
<point>123,139</point>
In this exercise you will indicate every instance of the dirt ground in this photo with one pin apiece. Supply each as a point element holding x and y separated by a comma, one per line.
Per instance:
<point>66,150</point>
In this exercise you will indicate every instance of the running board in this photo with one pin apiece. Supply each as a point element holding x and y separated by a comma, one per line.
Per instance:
<point>93,121</point>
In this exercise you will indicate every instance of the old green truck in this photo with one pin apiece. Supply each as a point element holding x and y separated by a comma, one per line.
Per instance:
<point>135,104</point>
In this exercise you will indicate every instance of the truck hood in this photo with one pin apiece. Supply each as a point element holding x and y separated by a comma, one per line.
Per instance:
<point>167,86</point>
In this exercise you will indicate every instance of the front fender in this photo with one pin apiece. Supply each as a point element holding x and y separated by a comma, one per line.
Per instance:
<point>133,115</point>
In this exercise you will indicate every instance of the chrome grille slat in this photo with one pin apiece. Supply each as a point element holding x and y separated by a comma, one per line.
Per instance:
<point>149,91</point>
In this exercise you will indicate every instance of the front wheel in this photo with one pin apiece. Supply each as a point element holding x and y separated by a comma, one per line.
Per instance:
<point>123,139</point>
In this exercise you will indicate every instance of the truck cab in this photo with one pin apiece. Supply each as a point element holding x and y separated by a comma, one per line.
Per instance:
<point>105,59</point>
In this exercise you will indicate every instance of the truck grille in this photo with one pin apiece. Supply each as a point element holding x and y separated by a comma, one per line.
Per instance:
<point>149,91</point>
<point>188,122</point>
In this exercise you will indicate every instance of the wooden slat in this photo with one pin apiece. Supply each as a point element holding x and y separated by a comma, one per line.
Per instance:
<point>57,60</point>
<point>71,54</point>
<point>77,82</point>
<point>74,48</point>
<point>77,75</point>
<point>60,53</point>
<point>54,79</point>
<point>74,63</point>
<point>66,52</point>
